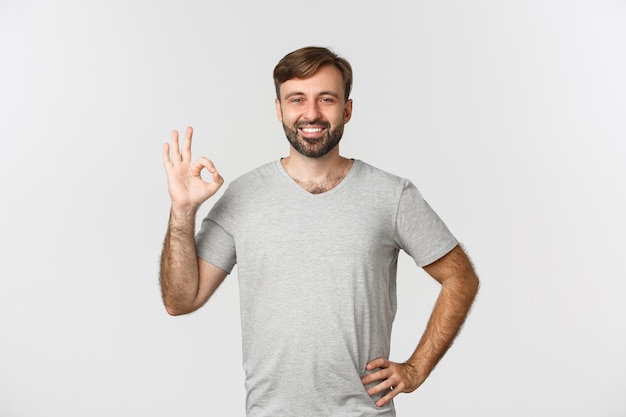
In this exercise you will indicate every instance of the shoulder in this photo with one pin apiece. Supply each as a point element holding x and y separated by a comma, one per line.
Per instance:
<point>366,170</point>
<point>252,188</point>
<point>245,192</point>
<point>379,179</point>
<point>252,179</point>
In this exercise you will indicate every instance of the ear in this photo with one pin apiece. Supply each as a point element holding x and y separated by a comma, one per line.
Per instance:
<point>347,113</point>
<point>279,112</point>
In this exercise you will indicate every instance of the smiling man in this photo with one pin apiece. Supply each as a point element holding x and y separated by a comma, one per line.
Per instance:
<point>313,119</point>
<point>316,238</point>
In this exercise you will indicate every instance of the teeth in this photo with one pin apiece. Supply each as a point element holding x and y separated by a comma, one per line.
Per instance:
<point>311,129</point>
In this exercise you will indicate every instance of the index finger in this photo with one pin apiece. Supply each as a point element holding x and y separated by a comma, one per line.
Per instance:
<point>377,363</point>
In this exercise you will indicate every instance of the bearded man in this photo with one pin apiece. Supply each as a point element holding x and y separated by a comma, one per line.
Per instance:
<point>315,237</point>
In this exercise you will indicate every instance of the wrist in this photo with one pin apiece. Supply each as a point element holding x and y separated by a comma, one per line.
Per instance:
<point>419,365</point>
<point>183,213</point>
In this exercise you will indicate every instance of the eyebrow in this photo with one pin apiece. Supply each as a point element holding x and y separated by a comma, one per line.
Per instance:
<point>322,93</point>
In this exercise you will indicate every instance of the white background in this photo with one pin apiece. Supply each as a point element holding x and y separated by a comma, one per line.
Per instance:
<point>508,115</point>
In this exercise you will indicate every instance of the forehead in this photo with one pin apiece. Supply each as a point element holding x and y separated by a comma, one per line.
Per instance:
<point>326,79</point>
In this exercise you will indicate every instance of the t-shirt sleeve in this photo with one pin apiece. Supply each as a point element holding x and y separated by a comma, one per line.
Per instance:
<point>214,243</point>
<point>420,231</point>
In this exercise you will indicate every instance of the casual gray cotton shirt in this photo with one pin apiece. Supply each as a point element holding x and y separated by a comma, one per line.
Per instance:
<point>317,280</point>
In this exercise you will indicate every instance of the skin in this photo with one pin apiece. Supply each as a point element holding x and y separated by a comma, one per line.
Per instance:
<point>459,285</point>
<point>315,103</point>
<point>187,281</point>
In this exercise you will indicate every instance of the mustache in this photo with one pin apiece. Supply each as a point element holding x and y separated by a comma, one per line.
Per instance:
<point>306,123</point>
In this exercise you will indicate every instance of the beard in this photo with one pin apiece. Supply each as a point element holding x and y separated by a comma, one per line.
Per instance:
<point>313,148</point>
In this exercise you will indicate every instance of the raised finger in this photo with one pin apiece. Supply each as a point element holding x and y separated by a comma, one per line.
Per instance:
<point>167,162</point>
<point>175,149</point>
<point>187,144</point>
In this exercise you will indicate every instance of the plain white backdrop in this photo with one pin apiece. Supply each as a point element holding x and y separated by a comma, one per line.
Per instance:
<point>509,116</point>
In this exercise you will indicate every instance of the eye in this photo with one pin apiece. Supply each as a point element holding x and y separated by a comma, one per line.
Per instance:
<point>327,100</point>
<point>295,100</point>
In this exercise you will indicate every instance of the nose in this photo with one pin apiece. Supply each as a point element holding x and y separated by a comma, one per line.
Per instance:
<point>312,111</point>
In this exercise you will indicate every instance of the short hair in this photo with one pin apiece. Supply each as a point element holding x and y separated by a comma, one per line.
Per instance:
<point>304,62</point>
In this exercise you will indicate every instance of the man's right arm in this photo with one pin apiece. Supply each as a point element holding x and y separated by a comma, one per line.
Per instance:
<point>187,282</point>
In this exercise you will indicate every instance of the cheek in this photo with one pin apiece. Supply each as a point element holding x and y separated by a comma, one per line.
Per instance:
<point>287,117</point>
<point>338,118</point>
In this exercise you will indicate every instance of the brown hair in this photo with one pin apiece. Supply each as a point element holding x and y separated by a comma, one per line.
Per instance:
<point>304,62</point>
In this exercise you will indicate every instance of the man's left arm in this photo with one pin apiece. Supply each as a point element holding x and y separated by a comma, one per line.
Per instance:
<point>459,285</point>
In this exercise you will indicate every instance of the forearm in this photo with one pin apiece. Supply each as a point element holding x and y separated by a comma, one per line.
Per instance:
<point>453,304</point>
<point>179,265</point>
<point>448,315</point>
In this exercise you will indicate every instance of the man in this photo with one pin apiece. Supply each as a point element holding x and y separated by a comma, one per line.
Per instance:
<point>316,238</point>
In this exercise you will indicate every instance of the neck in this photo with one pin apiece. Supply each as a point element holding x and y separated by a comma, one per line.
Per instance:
<point>317,175</point>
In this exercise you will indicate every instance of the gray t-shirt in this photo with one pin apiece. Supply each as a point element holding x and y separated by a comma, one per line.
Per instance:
<point>317,281</point>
